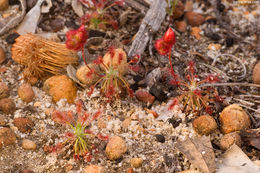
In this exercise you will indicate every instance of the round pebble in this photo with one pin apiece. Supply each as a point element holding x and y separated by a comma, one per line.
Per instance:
<point>4,90</point>
<point>234,118</point>
<point>28,144</point>
<point>160,138</point>
<point>7,137</point>
<point>2,54</point>
<point>3,5</point>
<point>204,125</point>
<point>24,125</point>
<point>136,162</point>
<point>115,148</point>
<point>26,92</point>
<point>7,105</point>
<point>229,139</point>
<point>94,169</point>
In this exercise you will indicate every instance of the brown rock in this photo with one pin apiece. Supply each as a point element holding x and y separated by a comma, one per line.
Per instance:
<point>130,170</point>
<point>136,162</point>
<point>3,5</point>
<point>24,125</point>
<point>2,54</point>
<point>94,169</point>
<point>84,75</point>
<point>144,96</point>
<point>204,125</point>
<point>256,73</point>
<point>181,25</point>
<point>28,144</point>
<point>178,11</point>
<point>27,171</point>
<point>61,87</point>
<point>7,105</point>
<point>57,24</point>
<point>26,92</point>
<point>194,19</point>
<point>190,171</point>
<point>234,118</point>
<point>115,148</point>
<point>188,5</point>
<point>195,31</point>
<point>4,90</point>
<point>7,137</point>
<point>229,139</point>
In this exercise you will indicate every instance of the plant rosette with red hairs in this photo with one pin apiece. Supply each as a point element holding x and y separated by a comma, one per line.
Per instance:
<point>79,135</point>
<point>113,66</point>
<point>99,17</point>
<point>193,98</point>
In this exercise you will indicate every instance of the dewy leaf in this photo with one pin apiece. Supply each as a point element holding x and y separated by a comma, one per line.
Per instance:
<point>235,160</point>
<point>30,21</point>
<point>199,152</point>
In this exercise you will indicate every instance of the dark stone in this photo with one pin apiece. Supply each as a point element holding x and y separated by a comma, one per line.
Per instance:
<point>160,138</point>
<point>214,36</point>
<point>14,2</point>
<point>138,78</point>
<point>96,33</point>
<point>71,24</point>
<point>212,21</point>
<point>230,41</point>
<point>174,123</point>
<point>157,91</point>
<point>220,7</point>
<point>10,39</point>
<point>134,86</point>
<point>57,24</point>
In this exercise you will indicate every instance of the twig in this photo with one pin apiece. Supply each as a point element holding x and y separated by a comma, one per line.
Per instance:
<point>239,60</point>
<point>217,71</point>
<point>244,102</point>
<point>229,84</point>
<point>257,116</point>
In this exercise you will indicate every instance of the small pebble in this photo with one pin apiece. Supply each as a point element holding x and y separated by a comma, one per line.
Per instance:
<point>130,170</point>
<point>26,92</point>
<point>94,169</point>
<point>194,19</point>
<point>195,31</point>
<point>7,105</point>
<point>7,137</point>
<point>2,55</point>
<point>157,91</point>
<point>115,148</point>
<point>10,39</point>
<point>60,87</point>
<point>160,138</point>
<point>28,144</point>
<point>24,125</point>
<point>229,139</point>
<point>204,125</point>
<point>256,74</point>
<point>4,90</point>
<point>136,162</point>
<point>234,118</point>
<point>178,11</point>
<point>126,123</point>
<point>144,96</point>
<point>57,24</point>
<point>2,120</point>
<point>27,171</point>
<point>181,26</point>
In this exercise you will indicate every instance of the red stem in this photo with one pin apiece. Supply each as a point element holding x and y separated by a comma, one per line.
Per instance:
<point>172,71</point>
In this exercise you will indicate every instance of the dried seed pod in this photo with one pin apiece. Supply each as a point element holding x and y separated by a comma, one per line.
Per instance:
<point>42,56</point>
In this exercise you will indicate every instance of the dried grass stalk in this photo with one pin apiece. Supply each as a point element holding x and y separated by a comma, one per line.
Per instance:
<point>42,56</point>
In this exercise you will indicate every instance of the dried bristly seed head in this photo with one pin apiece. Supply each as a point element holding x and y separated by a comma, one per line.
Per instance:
<point>42,56</point>
<point>117,59</point>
